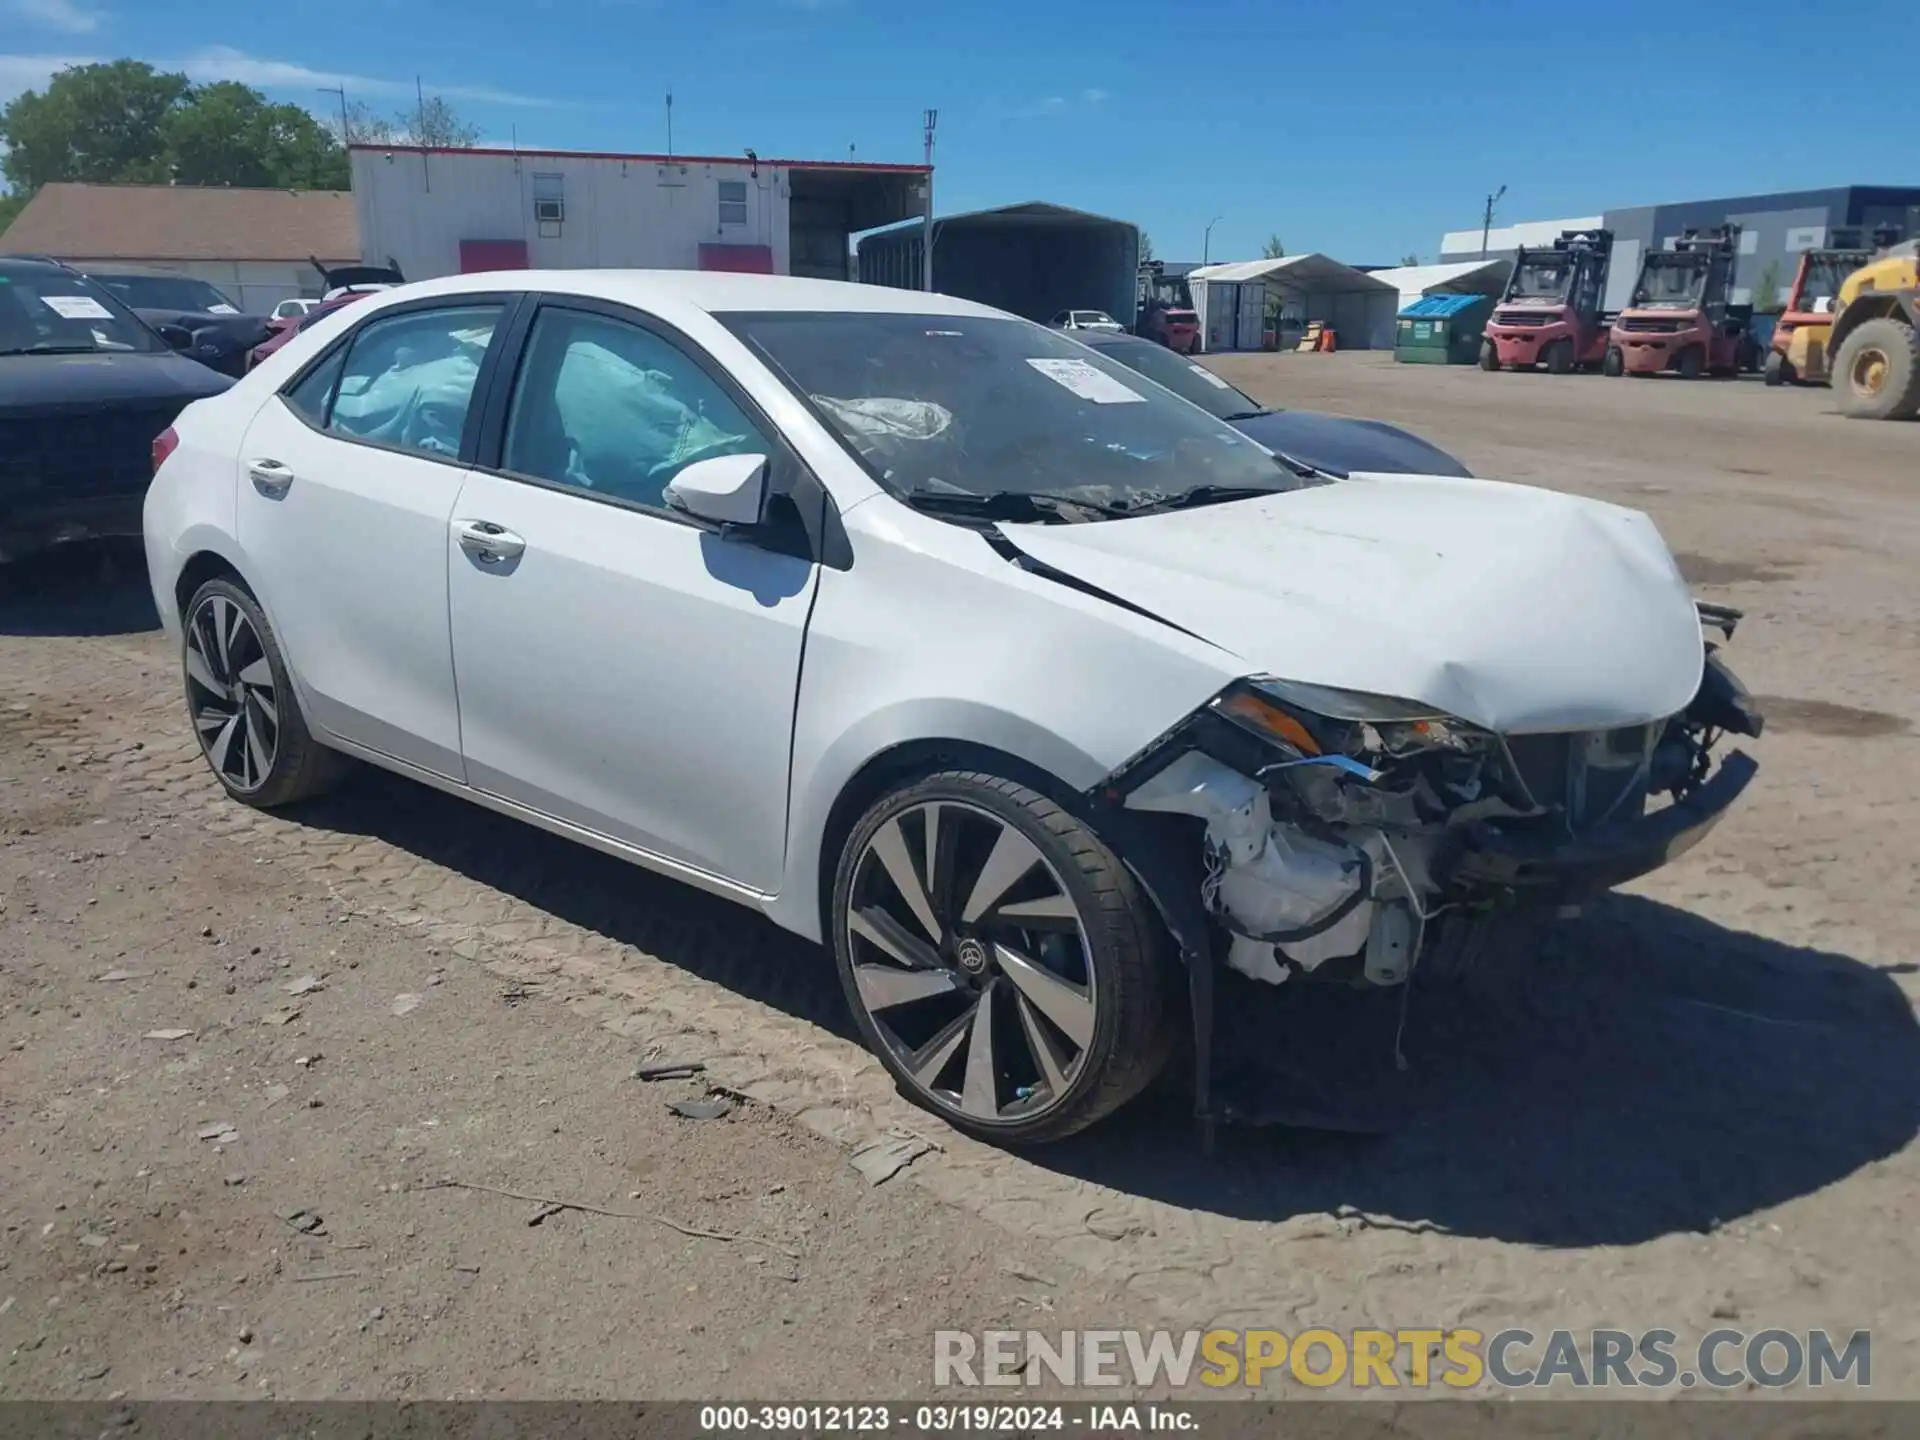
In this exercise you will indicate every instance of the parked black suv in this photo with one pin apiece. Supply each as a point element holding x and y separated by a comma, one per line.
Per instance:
<point>85,388</point>
<point>222,335</point>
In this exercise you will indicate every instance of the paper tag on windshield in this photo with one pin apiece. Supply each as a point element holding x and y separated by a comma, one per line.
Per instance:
<point>1088,383</point>
<point>221,310</point>
<point>76,307</point>
<point>1208,376</point>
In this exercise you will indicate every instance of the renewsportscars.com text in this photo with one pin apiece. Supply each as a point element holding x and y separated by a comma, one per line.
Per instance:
<point>1457,1359</point>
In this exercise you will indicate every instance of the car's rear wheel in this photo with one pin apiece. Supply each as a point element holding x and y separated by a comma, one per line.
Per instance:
<point>999,958</point>
<point>241,701</point>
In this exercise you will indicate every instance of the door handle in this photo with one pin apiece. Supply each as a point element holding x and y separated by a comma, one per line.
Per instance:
<point>269,477</point>
<point>487,542</point>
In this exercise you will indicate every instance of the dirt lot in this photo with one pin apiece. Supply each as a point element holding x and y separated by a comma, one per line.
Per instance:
<point>1696,1109</point>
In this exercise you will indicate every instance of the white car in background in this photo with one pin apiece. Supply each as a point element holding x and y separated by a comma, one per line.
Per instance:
<point>1087,320</point>
<point>292,309</point>
<point>1015,679</point>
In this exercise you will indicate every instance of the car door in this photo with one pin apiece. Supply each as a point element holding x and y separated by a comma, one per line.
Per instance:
<point>621,666</point>
<point>349,477</point>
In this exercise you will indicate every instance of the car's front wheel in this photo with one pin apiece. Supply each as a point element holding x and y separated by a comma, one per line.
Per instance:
<point>241,701</point>
<point>999,958</point>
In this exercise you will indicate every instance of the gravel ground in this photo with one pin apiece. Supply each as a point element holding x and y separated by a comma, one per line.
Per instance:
<point>1696,1108</point>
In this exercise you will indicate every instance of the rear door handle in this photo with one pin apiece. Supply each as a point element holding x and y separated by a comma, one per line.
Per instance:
<point>487,542</point>
<point>269,477</point>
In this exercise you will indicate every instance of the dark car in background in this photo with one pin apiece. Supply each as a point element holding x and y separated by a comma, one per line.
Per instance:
<point>86,387</point>
<point>1333,444</point>
<point>222,334</point>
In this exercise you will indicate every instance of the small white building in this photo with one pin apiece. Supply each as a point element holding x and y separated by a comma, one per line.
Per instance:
<point>444,212</point>
<point>1467,277</point>
<point>257,246</point>
<point>1235,301</point>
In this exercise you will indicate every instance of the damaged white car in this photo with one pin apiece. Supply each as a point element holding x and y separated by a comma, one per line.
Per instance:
<point>1032,690</point>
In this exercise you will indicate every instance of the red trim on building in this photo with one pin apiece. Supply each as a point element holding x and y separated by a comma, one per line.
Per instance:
<point>478,255</point>
<point>648,159</point>
<point>738,259</point>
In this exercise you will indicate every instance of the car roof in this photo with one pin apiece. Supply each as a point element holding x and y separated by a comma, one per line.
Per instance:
<point>1114,339</point>
<point>711,291</point>
<point>30,262</point>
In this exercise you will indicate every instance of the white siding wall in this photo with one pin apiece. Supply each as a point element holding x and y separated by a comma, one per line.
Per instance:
<point>255,285</point>
<point>618,213</point>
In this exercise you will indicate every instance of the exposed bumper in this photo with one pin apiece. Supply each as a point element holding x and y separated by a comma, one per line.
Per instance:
<point>1543,870</point>
<point>25,528</point>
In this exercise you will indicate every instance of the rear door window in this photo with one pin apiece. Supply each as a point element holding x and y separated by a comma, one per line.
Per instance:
<point>408,379</point>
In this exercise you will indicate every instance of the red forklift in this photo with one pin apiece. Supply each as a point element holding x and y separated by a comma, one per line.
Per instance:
<point>1797,353</point>
<point>1680,317</point>
<point>1550,312</point>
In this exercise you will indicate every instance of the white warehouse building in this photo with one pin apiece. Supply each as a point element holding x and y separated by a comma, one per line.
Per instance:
<point>438,212</point>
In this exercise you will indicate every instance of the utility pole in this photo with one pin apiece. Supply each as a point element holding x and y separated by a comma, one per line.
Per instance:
<point>926,221</point>
<point>1206,243</point>
<point>669,124</point>
<point>346,136</point>
<point>419,128</point>
<point>1486,220</point>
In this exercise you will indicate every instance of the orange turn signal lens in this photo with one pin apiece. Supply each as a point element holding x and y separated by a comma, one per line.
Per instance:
<point>1262,714</point>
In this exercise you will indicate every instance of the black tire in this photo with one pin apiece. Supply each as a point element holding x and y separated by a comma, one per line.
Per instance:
<point>1887,352</point>
<point>1690,363</point>
<point>1125,952</point>
<point>1615,362</point>
<point>1778,369</point>
<point>300,767</point>
<point>1560,358</point>
<point>1489,355</point>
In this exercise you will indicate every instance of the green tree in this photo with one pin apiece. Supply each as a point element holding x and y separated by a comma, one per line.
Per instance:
<point>1146,247</point>
<point>1273,249</point>
<point>11,204</point>
<point>92,122</point>
<point>1766,290</point>
<point>1410,258</point>
<point>228,134</point>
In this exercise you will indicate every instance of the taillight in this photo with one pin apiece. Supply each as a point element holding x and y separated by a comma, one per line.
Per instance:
<point>164,444</point>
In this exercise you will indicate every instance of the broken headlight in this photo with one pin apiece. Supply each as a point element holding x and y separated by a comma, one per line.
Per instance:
<point>1322,720</point>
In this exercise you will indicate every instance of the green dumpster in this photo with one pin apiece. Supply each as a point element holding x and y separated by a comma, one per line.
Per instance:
<point>1441,329</point>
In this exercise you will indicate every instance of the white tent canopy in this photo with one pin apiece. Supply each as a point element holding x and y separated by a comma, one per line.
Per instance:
<point>1467,277</point>
<point>1232,300</point>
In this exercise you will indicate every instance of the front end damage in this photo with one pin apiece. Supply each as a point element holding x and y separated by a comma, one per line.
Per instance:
<point>1330,835</point>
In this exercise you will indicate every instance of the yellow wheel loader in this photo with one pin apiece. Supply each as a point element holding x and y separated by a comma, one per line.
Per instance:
<point>1876,338</point>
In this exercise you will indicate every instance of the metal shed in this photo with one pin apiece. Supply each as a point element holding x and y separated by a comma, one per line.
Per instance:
<point>1239,302</point>
<point>1033,259</point>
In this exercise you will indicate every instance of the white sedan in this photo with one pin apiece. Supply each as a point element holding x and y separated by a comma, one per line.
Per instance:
<point>1032,690</point>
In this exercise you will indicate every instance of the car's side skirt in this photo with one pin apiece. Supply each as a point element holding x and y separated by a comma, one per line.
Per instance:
<point>566,830</point>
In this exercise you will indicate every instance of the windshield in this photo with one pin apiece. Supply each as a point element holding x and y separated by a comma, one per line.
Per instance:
<point>946,405</point>
<point>1822,279</point>
<point>1191,382</point>
<point>1540,280</point>
<point>168,292</point>
<point>1675,285</point>
<point>1093,317</point>
<point>57,311</point>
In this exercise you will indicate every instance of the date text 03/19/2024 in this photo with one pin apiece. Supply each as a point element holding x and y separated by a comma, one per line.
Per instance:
<point>937,1419</point>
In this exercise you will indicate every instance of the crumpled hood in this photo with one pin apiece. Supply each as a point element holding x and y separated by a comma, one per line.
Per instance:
<point>1519,609</point>
<point>1343,446</point>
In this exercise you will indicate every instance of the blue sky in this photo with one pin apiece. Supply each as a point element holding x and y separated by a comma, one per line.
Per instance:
<point>1361,130</point>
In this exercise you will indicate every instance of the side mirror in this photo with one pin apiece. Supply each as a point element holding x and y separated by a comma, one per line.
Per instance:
<point>728,489</point>
<point>177,337</point>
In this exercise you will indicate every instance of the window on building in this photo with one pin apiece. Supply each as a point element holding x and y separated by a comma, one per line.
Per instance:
<point>733,202</point>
